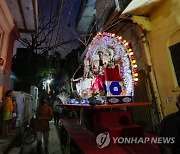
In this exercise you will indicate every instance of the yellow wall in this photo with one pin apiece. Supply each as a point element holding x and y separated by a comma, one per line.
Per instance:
<point>165,31</point>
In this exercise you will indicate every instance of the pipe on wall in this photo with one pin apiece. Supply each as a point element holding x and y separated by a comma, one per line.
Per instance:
<point>152,75</point>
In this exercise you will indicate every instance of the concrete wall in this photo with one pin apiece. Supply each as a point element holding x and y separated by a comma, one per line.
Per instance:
<point>165,32</point>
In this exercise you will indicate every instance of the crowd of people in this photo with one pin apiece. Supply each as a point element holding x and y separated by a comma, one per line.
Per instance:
<point>46,111</point>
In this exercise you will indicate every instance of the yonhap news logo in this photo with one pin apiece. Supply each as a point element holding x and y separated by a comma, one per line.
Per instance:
<point>103,140</point>
<point>143,140</point>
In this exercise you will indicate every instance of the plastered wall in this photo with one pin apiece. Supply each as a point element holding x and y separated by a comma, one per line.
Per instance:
<point>165,32</point>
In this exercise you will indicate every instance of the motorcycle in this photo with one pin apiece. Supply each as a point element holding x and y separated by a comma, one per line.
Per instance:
<point>29,135</point>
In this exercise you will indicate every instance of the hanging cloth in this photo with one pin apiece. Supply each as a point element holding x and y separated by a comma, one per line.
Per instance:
<point>112,74</point>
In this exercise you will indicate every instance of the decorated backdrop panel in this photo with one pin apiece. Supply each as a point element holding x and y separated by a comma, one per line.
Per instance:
<point>111,66</point>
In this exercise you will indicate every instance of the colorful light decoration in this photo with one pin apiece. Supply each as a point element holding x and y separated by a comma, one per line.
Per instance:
<point>122,52</point>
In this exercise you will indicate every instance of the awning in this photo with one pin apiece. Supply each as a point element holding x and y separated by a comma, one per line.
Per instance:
<point>141,7</point>
<point>25,14</point>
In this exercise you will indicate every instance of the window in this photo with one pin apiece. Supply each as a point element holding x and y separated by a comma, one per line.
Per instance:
<point>175,55</point>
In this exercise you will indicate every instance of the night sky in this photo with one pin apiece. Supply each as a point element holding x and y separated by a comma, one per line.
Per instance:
<point>66,22</point>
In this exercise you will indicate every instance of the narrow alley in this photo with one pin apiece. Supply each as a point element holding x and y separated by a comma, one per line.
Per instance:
<point>107,69</point>
<point>54,142</point>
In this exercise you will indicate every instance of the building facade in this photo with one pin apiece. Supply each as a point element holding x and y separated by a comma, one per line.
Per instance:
<point>8,34</point>
<point>161,33</point>
<point>165,34</point>
<point>16,17</point>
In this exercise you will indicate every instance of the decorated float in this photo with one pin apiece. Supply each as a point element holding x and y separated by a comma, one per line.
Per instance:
<point>110,71</point>
<point>108,83</point>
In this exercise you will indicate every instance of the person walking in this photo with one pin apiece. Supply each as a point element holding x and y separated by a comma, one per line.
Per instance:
<point>43,116</point>
<point>8,109</point>
<point>56,110</point>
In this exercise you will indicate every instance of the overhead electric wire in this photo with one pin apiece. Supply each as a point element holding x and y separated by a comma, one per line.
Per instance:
<point>67,18</point>
<point>50,16</point>
<point>61,36</point>
<point>51,25</point>
<point>61,10</point>
<point>41,9</point>
<point>86,35</point>
<point>126,16</point>
<point>90,31</point>
<point>50,22</point>
<point>49,28</point>
<point>69,12</point>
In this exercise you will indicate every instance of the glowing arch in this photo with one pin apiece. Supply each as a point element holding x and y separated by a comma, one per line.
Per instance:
<point>119,52</point>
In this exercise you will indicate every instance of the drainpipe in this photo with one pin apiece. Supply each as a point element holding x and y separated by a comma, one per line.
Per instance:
<point>152,75</point>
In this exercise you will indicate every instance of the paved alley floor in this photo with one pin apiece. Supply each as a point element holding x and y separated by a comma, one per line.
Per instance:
<point>5,141</point>
<point>54,142</point>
